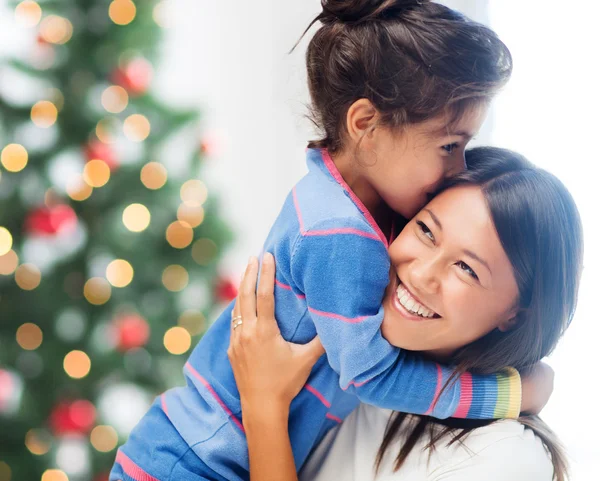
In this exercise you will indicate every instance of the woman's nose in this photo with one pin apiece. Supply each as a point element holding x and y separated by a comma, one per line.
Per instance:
<point>425,276</point>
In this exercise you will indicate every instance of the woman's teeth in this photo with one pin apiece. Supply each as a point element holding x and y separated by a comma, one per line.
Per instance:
<point>411,305</point>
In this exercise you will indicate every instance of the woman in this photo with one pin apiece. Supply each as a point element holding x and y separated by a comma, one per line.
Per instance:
<point>494,261</point>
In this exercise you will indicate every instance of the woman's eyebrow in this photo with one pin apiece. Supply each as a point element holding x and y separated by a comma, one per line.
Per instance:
<point>434,218</point>
<point>472,255</point>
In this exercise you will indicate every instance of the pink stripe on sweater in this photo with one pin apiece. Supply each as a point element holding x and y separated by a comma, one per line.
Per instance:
<point>133,470</point>
<point>319,396</point>
<point>332,315</point>
<point>205,383</point>
<point>466,396</point>
<point>342,230</point>
<point>438,389</point>
<point>356,384</point>
<point>298,213</point>
<point>335,418</point>
<point>340,180</point>
<point>163,403</point>
<point>288,288</point>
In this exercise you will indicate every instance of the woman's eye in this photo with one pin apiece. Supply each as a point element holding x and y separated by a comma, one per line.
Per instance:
<point>450,147</point>
<point>467,269</point>
<point>425,230</point>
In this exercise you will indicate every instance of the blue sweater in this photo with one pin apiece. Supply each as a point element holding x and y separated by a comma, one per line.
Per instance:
<point>332,271</point>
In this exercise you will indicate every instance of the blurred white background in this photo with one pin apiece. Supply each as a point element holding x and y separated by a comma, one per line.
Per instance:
<point>231,60</point>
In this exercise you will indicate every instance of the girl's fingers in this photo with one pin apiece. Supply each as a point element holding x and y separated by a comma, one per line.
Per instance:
<point>247,294</point>
<point>265,298</point>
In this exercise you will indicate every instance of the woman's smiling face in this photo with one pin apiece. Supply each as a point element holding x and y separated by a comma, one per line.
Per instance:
<point>451,281</point>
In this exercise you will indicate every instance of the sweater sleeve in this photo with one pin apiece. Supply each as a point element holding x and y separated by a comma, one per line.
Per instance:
<point>343,271</point>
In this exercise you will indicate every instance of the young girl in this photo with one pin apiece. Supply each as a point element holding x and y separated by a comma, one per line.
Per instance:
<point>399,87</point>
<point>512,309</point>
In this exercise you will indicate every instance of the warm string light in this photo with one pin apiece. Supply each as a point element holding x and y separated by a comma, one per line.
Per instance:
<point>5,471</point>
<point>179,234</point>
<point>177,340</point>
<point>193,215</point>
<point>29,336</point>
<point>122,12</point>
<point>136,127</point>
<point>28,14</point>
<point>175,278</point>
<point>115,99</point>
<point>54,475</point>
<point>204,251</point>
<point>153,175</point>
<point>136,217</point>
<point>107,128</point>
<point>193,192</point>
<point>77,364</point>
<point>97,291</point>
<point>44,114</point>
<point>119,273</point>
<point>38,442</point>
<point>78,189</point>
<point>28,277</point>
<point>14,157</point>
<point>8,263</point>
<point>104,438</point>
<point>6,241</point>
<point>96,173</point>
<point>56,30</point>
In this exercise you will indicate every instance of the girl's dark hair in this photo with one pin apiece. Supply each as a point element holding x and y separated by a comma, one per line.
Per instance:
<point>539,228</point>
<point>412,59</point>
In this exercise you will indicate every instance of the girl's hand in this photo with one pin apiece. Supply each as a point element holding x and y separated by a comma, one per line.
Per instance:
<point>269,371</point>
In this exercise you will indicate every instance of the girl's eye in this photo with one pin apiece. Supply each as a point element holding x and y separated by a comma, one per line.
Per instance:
<point>450,147</point>
<point>465,267</point>
<point>425,230</point>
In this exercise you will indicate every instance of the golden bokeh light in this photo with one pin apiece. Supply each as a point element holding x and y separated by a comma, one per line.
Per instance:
<point>175,278</point>
<point>14,157</point>
<point>115,99</point>
<point>96,173</point>
<point>57,98</point>
<point>97,291</point>
<point>77,364</point>
<point>136,217</point>
<point>6,241</point>
<point>8,263</point>
<point>179,234</point>
<point>193,192</point>
<point>78,189</point>
<point>28,13</point>
<point>153,175</point>
<point>28,277</point>
<point>37,441</point>
<point>177,340</point>
<point>193,322</point>
<point>55,29</point>
<point>44,114</point>
<point>5,471</point>
<point>136,127</point>
<point>104,438</point>
<point>54,475</point>
<point>204,251</point>
<point>107,128</point>
<point>122,12</point>
<point>191,214</point>
<point>119,273</point>
<point>29,336</point>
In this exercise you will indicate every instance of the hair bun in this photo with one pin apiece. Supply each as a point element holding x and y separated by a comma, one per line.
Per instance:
<point>363,10</point>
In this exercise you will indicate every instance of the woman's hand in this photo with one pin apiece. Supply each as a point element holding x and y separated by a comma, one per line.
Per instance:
<point>269,371</point>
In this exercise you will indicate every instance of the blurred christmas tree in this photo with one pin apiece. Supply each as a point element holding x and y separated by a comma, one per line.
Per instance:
<point>108,263</point>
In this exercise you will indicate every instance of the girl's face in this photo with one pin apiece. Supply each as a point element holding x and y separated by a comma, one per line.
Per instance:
<point>408,165</point>
<point>451,281</point>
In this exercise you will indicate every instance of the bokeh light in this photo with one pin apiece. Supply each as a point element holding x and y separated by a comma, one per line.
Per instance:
<point>57,98</point>
<point>28,13</point>
<point>78,189</point>
<point>122,12</point>
<point>161,16</point>
<point>204,251</point>
<point>55,29</point>
<point>54,475</point>
<point>193,192</point>
<point>153,175</point>
<point>5,471</point>
<point>175,278</point>
<point>29,336</point>
<point>136,217</point>
<point>193,215</point>
<point>44,114</point>
<point>136,127</point>
<point>96,173</point>
<point>104,438</point>
<point>115,99</point>
<point>107,129</point>
<point>14,157</point>
<point>119,273</point>
<point>77,364</point>
<point>38,441</point>
<point>97,291</point>
<point>28,277</point>
<point>192,321</point>
<point>6,241</point>
<point>8,263</point>
<point>179,234</point>
<point>177,340</point>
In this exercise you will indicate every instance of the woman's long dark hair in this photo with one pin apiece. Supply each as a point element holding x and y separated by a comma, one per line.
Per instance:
<point>412,59</point>
<point>539,228</point>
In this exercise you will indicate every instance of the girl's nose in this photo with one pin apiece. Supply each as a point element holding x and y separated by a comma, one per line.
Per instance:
<point>425,276</point>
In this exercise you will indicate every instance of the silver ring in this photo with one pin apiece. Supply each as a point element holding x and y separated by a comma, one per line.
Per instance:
<point>236,318</point>
<point>238,323</point>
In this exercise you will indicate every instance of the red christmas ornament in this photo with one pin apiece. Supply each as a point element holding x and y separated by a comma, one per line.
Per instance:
<point>135,77</point>
<point>102,151</point>
<point>47,221</point>
<point>77,417</point>
<point>132,332</point>
<point>226,290</point>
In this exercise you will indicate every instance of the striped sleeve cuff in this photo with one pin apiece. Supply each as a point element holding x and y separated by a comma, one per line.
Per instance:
<point>496,396</point>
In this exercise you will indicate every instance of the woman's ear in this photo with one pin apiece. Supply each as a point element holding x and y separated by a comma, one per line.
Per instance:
<point>510,323</point>
<point>361,118</point>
